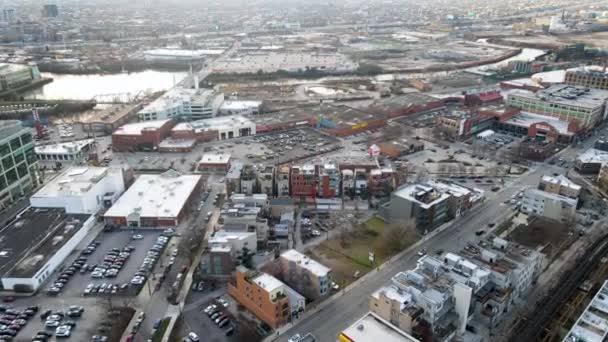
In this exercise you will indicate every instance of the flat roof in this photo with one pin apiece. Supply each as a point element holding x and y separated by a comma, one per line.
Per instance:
<point>210,158</point>
<point>162,195</point>
<point>224,237</point>
<point>70,147</point>
<point>371,327</point>
<point>182,53</point>
<point>33,238</point>
<point>268,282</point>
<point>239,105</point>
<point>172,143</point>
<point>304,261</point>
<point>410,191</point>
<point>562,181</point>
<point>593,155</point>
<point>402,101</point>
<point>219,123</point>
<point>526,119</point>
<point>74,181</point>
<point>569,95</point>
<point>138,127</point>
<point>106,114</point>
<point>592,324</point>
<point>551,196</point>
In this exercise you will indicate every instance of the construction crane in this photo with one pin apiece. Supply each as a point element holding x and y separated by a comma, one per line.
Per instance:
<point>41,132</point>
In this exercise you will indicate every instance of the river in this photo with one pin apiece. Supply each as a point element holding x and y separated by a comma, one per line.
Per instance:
<point>85,87</point>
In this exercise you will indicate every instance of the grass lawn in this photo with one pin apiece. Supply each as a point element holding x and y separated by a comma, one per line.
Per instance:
<point>348,253</point>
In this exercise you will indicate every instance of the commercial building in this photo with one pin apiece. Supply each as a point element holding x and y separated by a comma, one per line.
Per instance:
<point>220,128</point>
<point>72,152</point>
<point>212,163</point>
<point>108,119</point>
<point>269,62</point>
<point>560,185</point>
<point>568,103</point>
<point>237,107</point>
<point>176,56</point>
<point>460,124</point>
<point>188,104</point>
<point>587,78</point>
<point>266,297</point>
<point>329,181</point>
<point>155,200</point>
<point>372,327</point>
<point>592,324</point>
<point>537,126</point>
<point>15,75</point>
<point>36,243</point>
<point>144,136</point>
<point>19,162</point>
<point>591,161</point>
<point>81,190</point>
<point>549,205</point>
<point>305,275</point>
<point>303,181</point>
<point>244,214</point>
<point>423,204</point>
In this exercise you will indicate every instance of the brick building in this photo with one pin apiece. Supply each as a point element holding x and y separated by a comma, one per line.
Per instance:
<point>141,135</point>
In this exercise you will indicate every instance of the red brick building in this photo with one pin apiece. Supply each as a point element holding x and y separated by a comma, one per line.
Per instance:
<point>139,136</point>
<point>303,181</point>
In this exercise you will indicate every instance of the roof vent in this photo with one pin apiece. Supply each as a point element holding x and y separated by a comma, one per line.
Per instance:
<point>360,327</point>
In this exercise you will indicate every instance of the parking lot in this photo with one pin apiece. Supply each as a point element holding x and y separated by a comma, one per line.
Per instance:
<point>106,242</point>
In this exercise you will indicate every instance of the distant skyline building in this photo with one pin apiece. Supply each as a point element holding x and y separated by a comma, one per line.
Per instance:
<point>50,11</point>
<point>8,15</point>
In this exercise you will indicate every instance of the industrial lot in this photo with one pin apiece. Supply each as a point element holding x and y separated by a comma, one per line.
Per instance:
<point>401,172</point>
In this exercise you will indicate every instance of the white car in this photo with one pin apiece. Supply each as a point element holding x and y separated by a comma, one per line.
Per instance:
<point>210,308</point>
<point>193,337</point>
<point>137,237</point>
<point>63,331</point>
<point>294,338</point>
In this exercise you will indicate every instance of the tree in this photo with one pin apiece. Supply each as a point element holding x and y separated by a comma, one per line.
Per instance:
<point>245,257</point>
<point>422,175</point>
<point>398,236</point>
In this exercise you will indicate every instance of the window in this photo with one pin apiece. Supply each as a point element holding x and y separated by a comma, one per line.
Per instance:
<point>15,143</point>
<point>26,139</point>
<point>7,162</point>
<point>22,170</point>
<point>5,150</point>
<point>19,157</point>
<point>11,176</point>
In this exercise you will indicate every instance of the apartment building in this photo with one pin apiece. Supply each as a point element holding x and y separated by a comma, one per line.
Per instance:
<point>549,205</point>
<point>303,180</point>
<point>592,324</point>
<point>348,182</point>
<point>283,181</point>
<point>382,181</point>
<point>560,185</point>
<point>361,181</point>
<point>265,296</point>
<point>422,204</point>
<point>305,275</point>
<point>248,181</point>
<point>19,162</point>
<point>265,178</point>
<point>587,78</point>
<point>372,327</point>
<point>329,181</point>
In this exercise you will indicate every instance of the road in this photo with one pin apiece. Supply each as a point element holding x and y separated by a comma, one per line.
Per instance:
<point>339,314</point>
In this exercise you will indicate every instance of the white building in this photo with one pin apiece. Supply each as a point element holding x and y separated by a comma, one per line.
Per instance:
<point>176,56</point>
<point>190,104</point>
<point>549,205</point>
<point>81,190</point>
<point>235,107</point>
<point>236,240</point>
<point>227,127</point>
<point>66,152</point>
<point>592,324</point>
<point>155,200</point>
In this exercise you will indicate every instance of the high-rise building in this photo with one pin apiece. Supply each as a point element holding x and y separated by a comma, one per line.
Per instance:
<point>18,174</point>
<point>8,15</point>
<point>50,11</point>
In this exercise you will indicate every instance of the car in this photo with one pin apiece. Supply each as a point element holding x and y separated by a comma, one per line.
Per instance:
<point>224,322</point>
<point>439,252</point>
<point>215,315</point>
<point>193,337</point>
<point>20,322</point>
<point>229,331</point>
<point>295,338</point>
<point>45,314</point>
<point>491,224</point>
<point>137,237</point>
<point>220,318</point>
<point>63,331</point>
<point>55,317</point>
<point>71,324</point>
<point>223,302</point>
<point>480,232</point>
<point>422,252</point>
<point>99,338</point>
<point>51,324</point>
<point>156,324</point>
<point>10,332</point>
<point>210,308</point>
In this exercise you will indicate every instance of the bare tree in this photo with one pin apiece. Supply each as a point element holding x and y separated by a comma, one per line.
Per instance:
<point>398,236</point>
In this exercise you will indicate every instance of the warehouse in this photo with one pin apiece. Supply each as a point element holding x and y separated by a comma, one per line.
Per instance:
<point>141,135</point>
<point>220,128</point>
<point>155,200</point>
<point>36,243</point>
<point>81,190</point>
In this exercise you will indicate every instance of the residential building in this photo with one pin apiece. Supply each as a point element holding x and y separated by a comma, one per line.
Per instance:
<point>141,136</point>
<point>255,200</point>
<point>188,104</point>
<point>591,161</point>
<point>305,275</point>
<point>235,240</point>
<point>348,182</point>
<point>587,78</point>
<point>248,182</point>
<point>568,103</point>
<point>303,180</point>
<point>360,182</point>
<point>329,181</point>
<point>72,152</point>
<point>211,163</point>
<point>246,214</point>
<point>423,204</point>
<point>602,178</point>
<point>592,324</point>
<point>283,182</point>
<point>549,205</point>
<point>382,181</point>
<point>372,327</point>
<point>15,75</point>
<point>560,185</point>
<point>224,249</point>
<point>219,261</point>
<point>265,176</point>
<point>36,243</point>
<point>81,190</point>
<point>265,296</point>
<point>155,201</point>
<point>19,163</point>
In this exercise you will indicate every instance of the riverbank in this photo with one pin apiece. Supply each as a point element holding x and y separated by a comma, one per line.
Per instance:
<point>16,93</point>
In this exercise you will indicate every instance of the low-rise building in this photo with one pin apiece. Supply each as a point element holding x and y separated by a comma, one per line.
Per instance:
<point>81,190</point>
<point>307,276</point>
<point>602,178</point>
<point>15,75</point>
<point>236,107</point>
<point>72,152</point>
<point>303,181</point>
<point>420,203</point>
<point>372,327</point>
<point>265,178</point>
<point>400,147</point>
<point>592,324</point>
<point>348,183</point>
<point>248,181</point>
<point>587,78</point>
<point>382,181</point>
<point>560,185</point>
<point>219,128</point>
<point>155,201</point>
<point>329,181</point>
<point>188,104</point>
<point>549,205</point>
<point>282,180</point>
<point>214,163</point>
<point>141,136</point>
<point>265,296</point>
<point>591,161</point>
